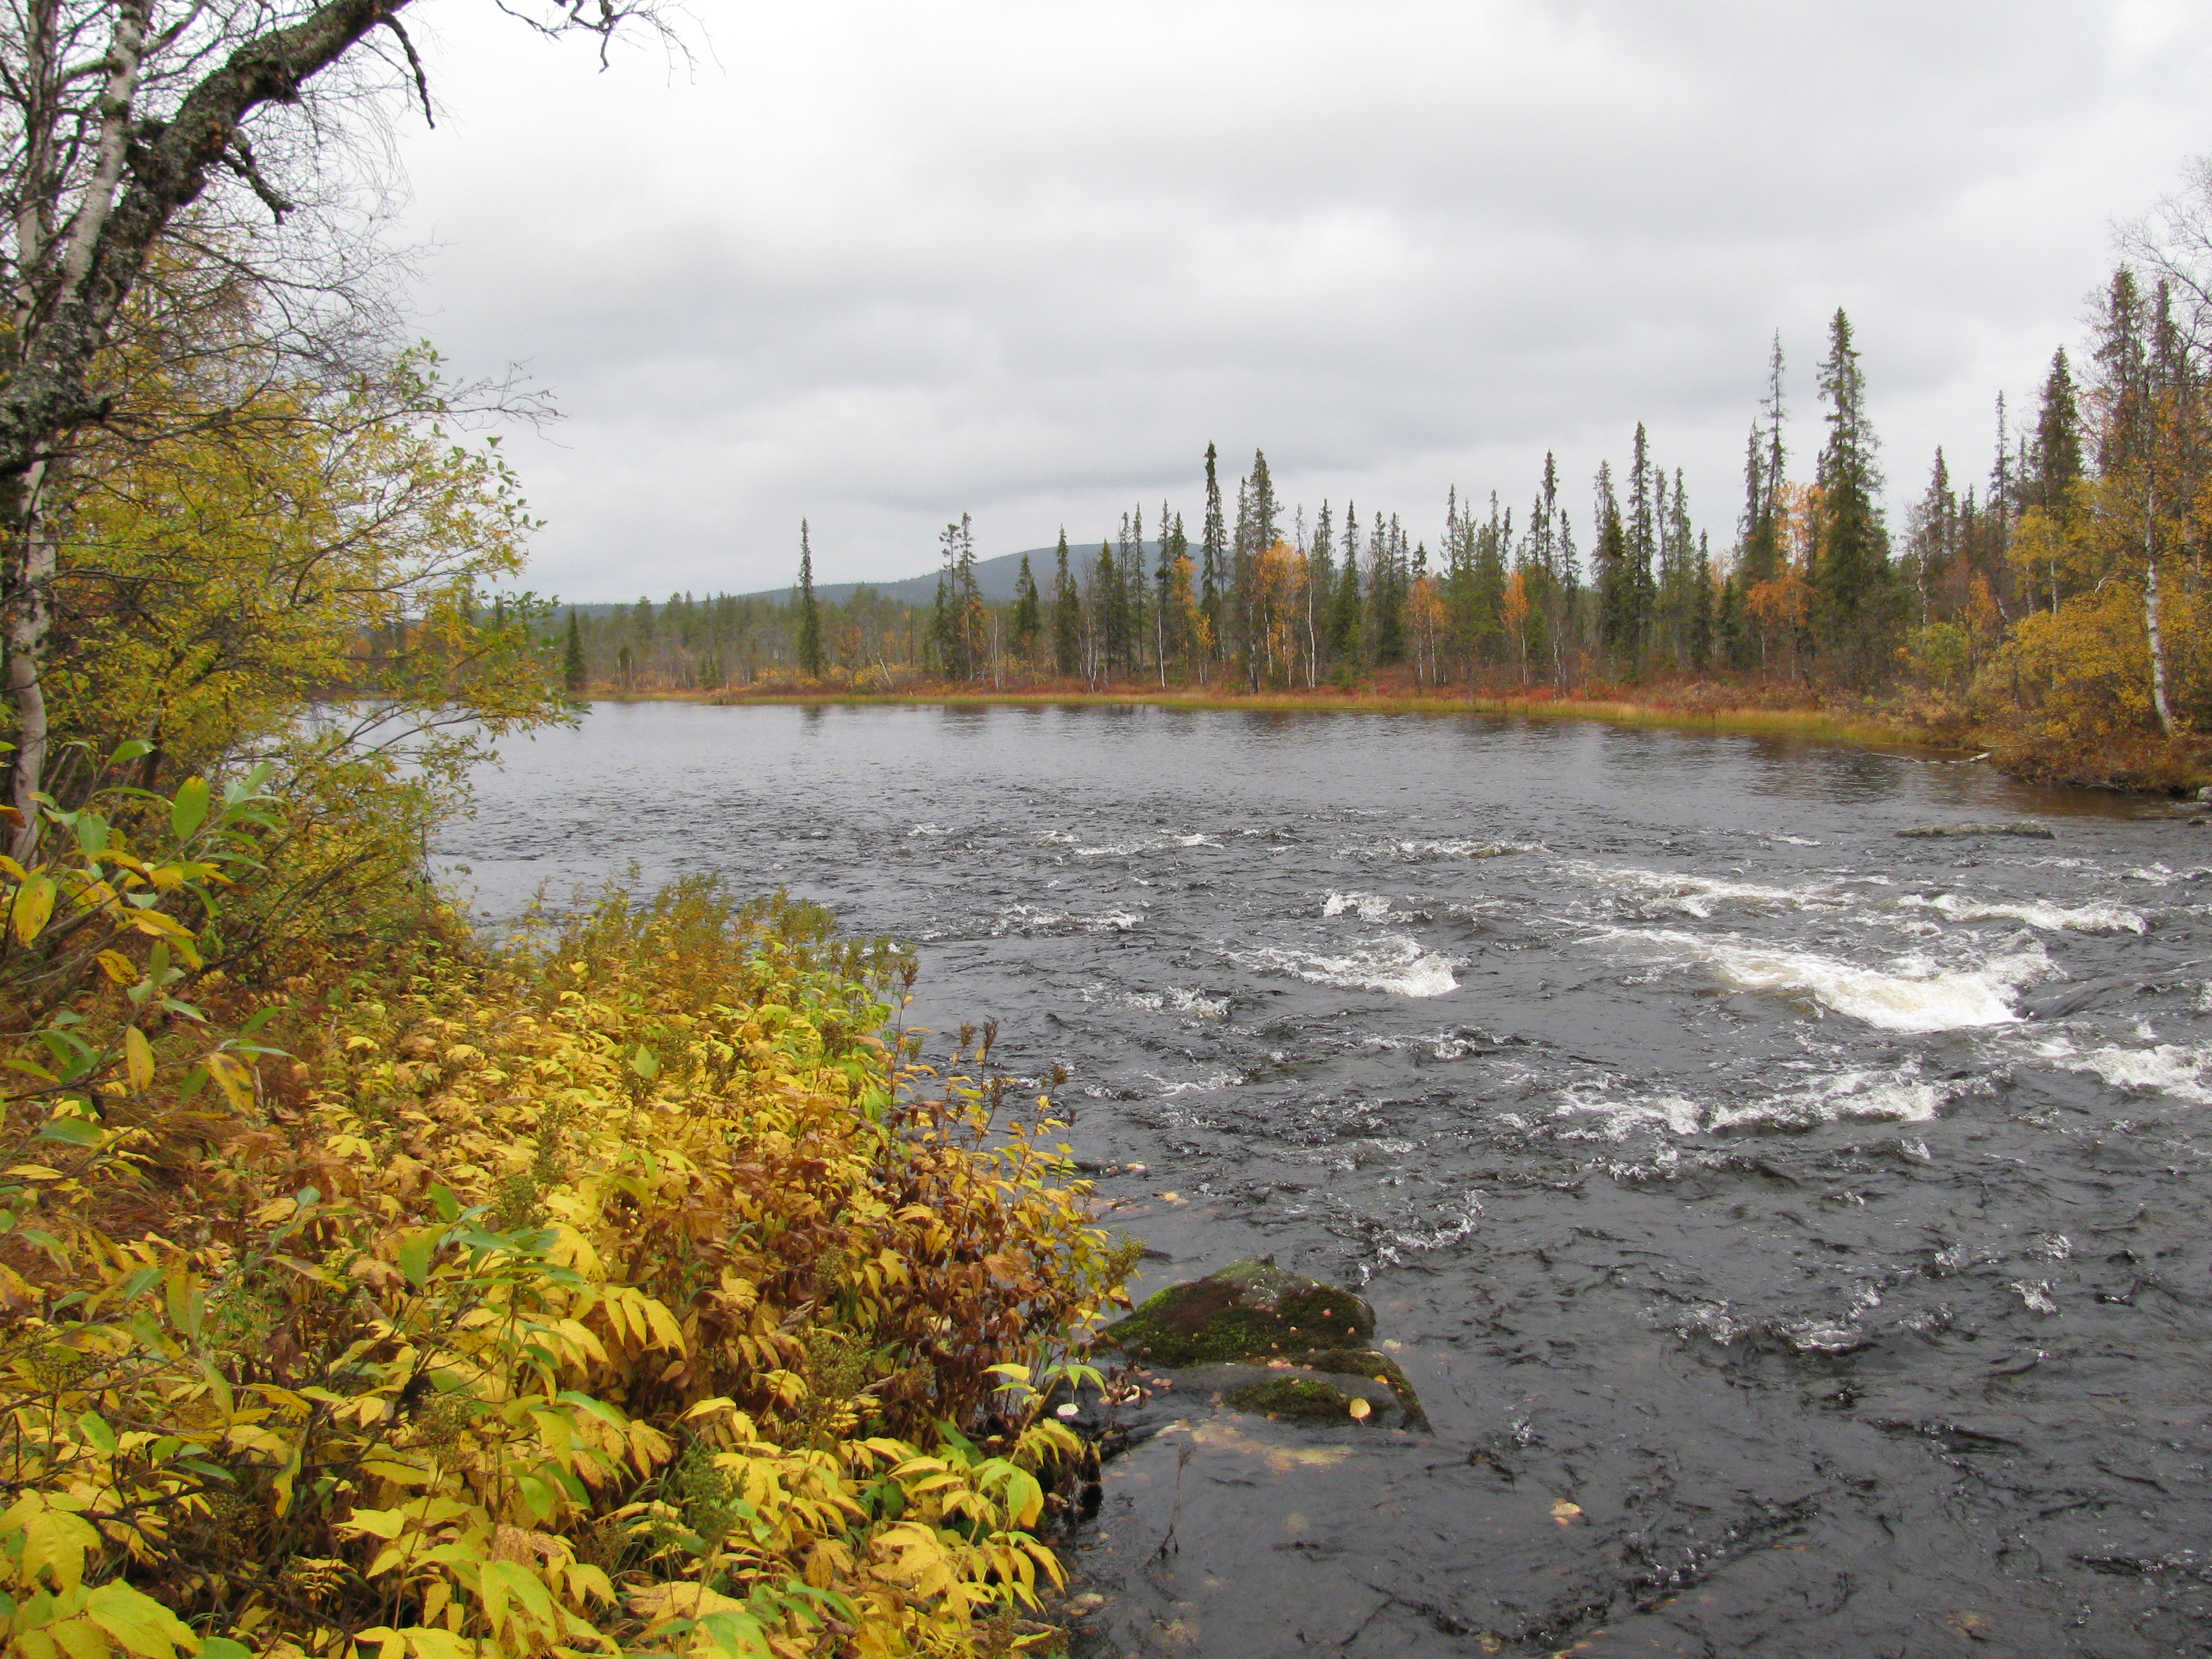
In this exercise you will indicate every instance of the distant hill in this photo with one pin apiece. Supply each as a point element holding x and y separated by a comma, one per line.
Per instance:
<point>994,576</point>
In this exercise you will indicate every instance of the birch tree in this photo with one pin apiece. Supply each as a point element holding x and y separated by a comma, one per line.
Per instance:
<point>127,117</point>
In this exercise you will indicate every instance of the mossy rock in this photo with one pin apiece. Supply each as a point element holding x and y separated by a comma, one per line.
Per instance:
<point>1367,1362</point>
<point>1300,1398</point>
<point>1251,1310</point>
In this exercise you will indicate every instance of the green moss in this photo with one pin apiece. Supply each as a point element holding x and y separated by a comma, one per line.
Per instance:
<point>1295,1397</point>
<point>1366,1362</point>
<point>1251,1310</point>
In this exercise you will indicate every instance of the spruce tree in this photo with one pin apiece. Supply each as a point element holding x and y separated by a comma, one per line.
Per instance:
<point>2055,457</point>
<point>1267,511</point>
<point>1852,578</point>
<point>1026,619</point>
<point>1346,625</point>
<point>1213,550</point>
<point>1321,593</point>
<point>1646,502</point>
<point>2054,464</point>
<point>1616,581</point>
<point>1701,620</point>
<point>1386,594</point>
<point>1066,615</point>
<point>572,658</point>
<point>810,613</point>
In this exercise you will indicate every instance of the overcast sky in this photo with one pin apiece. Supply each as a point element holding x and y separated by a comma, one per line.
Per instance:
<point>877,265</point>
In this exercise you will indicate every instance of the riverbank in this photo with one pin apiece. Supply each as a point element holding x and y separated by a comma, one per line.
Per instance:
<point>615,1287</point>
<point>2127,763</point>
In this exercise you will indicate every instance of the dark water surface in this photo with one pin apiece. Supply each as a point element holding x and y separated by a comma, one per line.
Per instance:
<point>1798,1233</point>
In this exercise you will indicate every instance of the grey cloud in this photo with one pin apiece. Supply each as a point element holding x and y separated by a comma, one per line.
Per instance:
<point>893,264</point>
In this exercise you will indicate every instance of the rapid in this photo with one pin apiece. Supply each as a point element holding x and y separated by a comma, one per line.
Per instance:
<point>1798,1231</point>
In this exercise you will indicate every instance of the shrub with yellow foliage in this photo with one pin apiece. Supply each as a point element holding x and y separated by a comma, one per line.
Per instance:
<point>626,1288</point>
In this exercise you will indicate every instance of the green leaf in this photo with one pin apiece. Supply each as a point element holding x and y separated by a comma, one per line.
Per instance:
<point>448,1207</point>
<point>221,1647</point>
<point>190,809</point>
<point>738,1635</point>
<point>94,1427</point>
<point>415,1253</point>
<point>72,1131</point>
<point>129,750</point>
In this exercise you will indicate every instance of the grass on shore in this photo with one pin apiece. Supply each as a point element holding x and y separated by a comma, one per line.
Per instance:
<point>1707,713</point>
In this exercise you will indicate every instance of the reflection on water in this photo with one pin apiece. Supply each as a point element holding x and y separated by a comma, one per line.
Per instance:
<point>1819,1213</point>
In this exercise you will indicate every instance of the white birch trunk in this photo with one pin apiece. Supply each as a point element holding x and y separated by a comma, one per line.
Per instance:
<point>2151,622</point>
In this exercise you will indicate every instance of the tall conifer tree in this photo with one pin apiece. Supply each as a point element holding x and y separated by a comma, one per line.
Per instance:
<point>1213,550</point>
<point>1066,615</point>
<point>1852,578</point>
<point>810,613</point>
<point>1026,619</point>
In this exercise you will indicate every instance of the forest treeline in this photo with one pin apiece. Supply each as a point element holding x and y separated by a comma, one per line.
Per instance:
<point>2060,595</point>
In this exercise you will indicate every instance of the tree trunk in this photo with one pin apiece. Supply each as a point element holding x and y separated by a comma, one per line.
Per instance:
<point>2151,622</point>
<point>28,617</point>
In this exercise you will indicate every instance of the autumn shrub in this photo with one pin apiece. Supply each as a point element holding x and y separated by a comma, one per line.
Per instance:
<point>627,1287</point>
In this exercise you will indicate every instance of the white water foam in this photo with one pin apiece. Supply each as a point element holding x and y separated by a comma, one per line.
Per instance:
<point>2166,1069</point>
<point>1696,896</point>
<point>1394,962</point>
<point>2158,875</point>
<point>2098,918</point>
<point>1913,994</point>
<point>1118,850</point>
<point>1900,1095</point>
<point>1199,1085</point>
<point>1196,841</point>
<point>926,830</point>
<point>1372,907</point>
<point>1197,1004</point>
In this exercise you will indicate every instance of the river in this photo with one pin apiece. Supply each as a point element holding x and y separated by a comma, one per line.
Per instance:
<point>1798,1231</point>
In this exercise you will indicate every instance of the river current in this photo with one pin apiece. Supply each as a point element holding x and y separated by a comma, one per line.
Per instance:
<point>1798,1231</point>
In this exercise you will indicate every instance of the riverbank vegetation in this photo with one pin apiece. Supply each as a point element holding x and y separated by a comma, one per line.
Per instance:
<point>367,1286</point>
<point>2053,612</point>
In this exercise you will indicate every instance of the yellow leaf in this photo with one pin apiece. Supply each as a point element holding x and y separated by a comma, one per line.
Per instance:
<point>1563,1512</point>
<point>118,967</point>
<point>54,1542</point>
<point>1361,1411</point>
<point>80,1638</point>
<point>233,1078</point>
<point>139,1622</point>
<point>160,927</point>
<point>138,1060</point>
<point>32,909</point>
